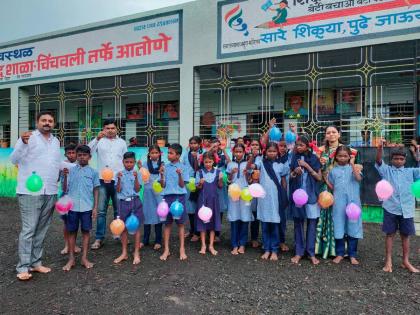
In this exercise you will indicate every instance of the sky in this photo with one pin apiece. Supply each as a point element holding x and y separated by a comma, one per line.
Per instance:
<point>24,18</point>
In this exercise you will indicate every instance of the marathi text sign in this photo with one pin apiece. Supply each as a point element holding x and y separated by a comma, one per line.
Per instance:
<point>247,26</point>
<point>145,42</point>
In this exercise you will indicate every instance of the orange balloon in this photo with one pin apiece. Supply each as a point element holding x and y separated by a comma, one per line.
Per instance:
<point>107,174</point>
<point>117,226</point>
<point>255,175</point>
<point>234,192</point>
<point>145,174</point>
<point>325,200</point>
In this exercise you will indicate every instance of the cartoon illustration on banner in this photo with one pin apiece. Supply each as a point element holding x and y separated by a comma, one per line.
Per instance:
<point>277,24</point>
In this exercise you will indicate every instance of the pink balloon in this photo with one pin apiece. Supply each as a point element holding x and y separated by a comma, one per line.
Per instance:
<point>162,210</point>
<point>353,211</point>
<point>256,191</point>
<point>64,205</point>
<point>205,214</point>
<point>384,190</point>
<point>300,197</point>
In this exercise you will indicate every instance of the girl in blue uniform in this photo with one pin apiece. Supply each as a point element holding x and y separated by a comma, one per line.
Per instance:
<point>273,179</point>
<point>344,179</point>
<point>239,212</point>
<point>151,199</point>
<point>254,178</point>
<point>305,174</point>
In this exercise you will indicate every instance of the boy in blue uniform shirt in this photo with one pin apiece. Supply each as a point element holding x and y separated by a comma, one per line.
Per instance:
<point>399,208</point>
<point>173,177</point>
<point>81,183</point>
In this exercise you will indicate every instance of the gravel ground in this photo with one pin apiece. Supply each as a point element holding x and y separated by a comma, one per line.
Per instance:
<point>212,285</point>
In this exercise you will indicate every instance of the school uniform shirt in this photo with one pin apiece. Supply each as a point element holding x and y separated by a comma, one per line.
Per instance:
<point>402,202</point>
<point>346,190</point>
<point>268,207</point>
<point>80,184</point>
<point>239,210</point>
<point>40,155</point>
<point>187,165</point>
<point>127,185</point>
<point>110,153</point>
<point>172,179</point>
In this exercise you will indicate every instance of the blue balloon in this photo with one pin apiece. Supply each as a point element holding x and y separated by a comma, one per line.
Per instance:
<point>275,134</point>
<point>176,209</point>
<point>290,137</point>
<point>132,224</point>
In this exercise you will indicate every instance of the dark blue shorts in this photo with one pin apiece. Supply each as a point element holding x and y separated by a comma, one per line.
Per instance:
<point>393,223</point>
<point>64,218</point>
<point>170,199</point>
<point>76,219</point>
<point>125,208</point>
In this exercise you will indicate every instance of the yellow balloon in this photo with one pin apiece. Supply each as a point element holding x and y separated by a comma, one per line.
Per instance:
<point>157,187</point>
<point>234,192</point>
<point>246,195</point>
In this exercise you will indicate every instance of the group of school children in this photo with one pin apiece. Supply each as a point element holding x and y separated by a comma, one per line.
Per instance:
<point>279,168</point>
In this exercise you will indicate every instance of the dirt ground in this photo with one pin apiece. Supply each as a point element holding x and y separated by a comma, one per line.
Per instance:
<point>205,285</point>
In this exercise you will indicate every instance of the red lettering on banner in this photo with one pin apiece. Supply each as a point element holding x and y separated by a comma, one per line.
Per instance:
<point>20,68</point>
<point>105,53</point>
<point>46,62</point>
<point>144,48</point>
<point>1,72</point>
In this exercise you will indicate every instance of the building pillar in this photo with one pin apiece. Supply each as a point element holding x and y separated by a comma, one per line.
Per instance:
<point>14,115</point>
<point>186,104</point>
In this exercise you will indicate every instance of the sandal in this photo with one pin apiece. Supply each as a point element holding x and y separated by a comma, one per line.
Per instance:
<point>96,245</point>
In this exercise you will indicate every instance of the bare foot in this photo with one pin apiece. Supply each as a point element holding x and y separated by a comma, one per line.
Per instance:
<point>217,239</point>
<point>121,258</point>
<point>41,269</point>
<point>165,255</point>
<point>354,261</point>
<point>187,235</point>
<point>409,267</point>
<point>296,259</point>
<point>157,247</point>
<point>96,245</point>
<point>77,249</point>
<point>182,255</point>
<point>86,263</point>
<point>255,244</point>
<point>141,245</point>
<point>265,256</point>
<point>70,264</point>
<point>284,247</point>
<point>241,250</point>
<point>203,250</point>
<point>274,257</point>
<point>337,259</point>
<point>234,251</point>
<point>65,251</point>
<point>212,251</point>
<point>136,259</point>
<point>24,276</point>
<point>388,267</point>
<point>195,238</point>
<point>314,260</point>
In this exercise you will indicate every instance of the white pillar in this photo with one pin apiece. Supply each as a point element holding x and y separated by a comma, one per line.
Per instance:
<point>186,104</point>
<point>14,115</point>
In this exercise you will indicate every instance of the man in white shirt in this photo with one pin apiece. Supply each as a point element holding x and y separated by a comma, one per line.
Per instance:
<point>37,151</point>
<point>110,150</point>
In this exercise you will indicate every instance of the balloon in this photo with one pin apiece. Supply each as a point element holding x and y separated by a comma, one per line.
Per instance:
<point>415,188</point>
<point>191,185</point>
<point>34,183</point>
<point>162,210</point>
<point>290,137</point>
<point>132,224</point>
<point>176,209</point>
<point>384,190</point>
<point>256,191</point>
<point>275,134</point>
<point>325,200</point>
<point>145,174</point>
<point>234,192</point>
<point>117,226</point>
<point>245,195</point>
<point>353,211</point>
<point>157,187</point>
<point>255,175</point>
<point>225,179</point>
<point>64,205</point>
<point>107,174</point>
<point>205,214</point>
<point>300,197</point>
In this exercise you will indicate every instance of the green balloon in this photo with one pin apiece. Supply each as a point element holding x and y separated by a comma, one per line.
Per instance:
<point>191,185</point>
<point>415,189</point>
<point>157,187</point>
<point>225,179</point>
<point>34,182</point>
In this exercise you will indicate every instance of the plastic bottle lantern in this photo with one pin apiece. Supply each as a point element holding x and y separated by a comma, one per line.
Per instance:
<point>157,187</point>
<point>384,190</point>
<point>117,226</point>
<point>191,185</point>
<point>176,209</point>
<point>300,197</point>
<point>325,200</point>
<point>162,210</point>
<point>107,174</point>
<point>290,137</point>
<point>145,174</point>
<point>64,205</point>
<point>246,195</point>
<point>132,224</point>
<point>34,183</point>
<point>353,211</point>
<point>256,190</point>
<point>415,188</point>
<point>234,192</point>
<point>275,134</point>
<point>205,214</point>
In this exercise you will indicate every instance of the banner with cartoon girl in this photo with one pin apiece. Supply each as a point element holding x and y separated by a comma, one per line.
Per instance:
<point>264,25</point>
